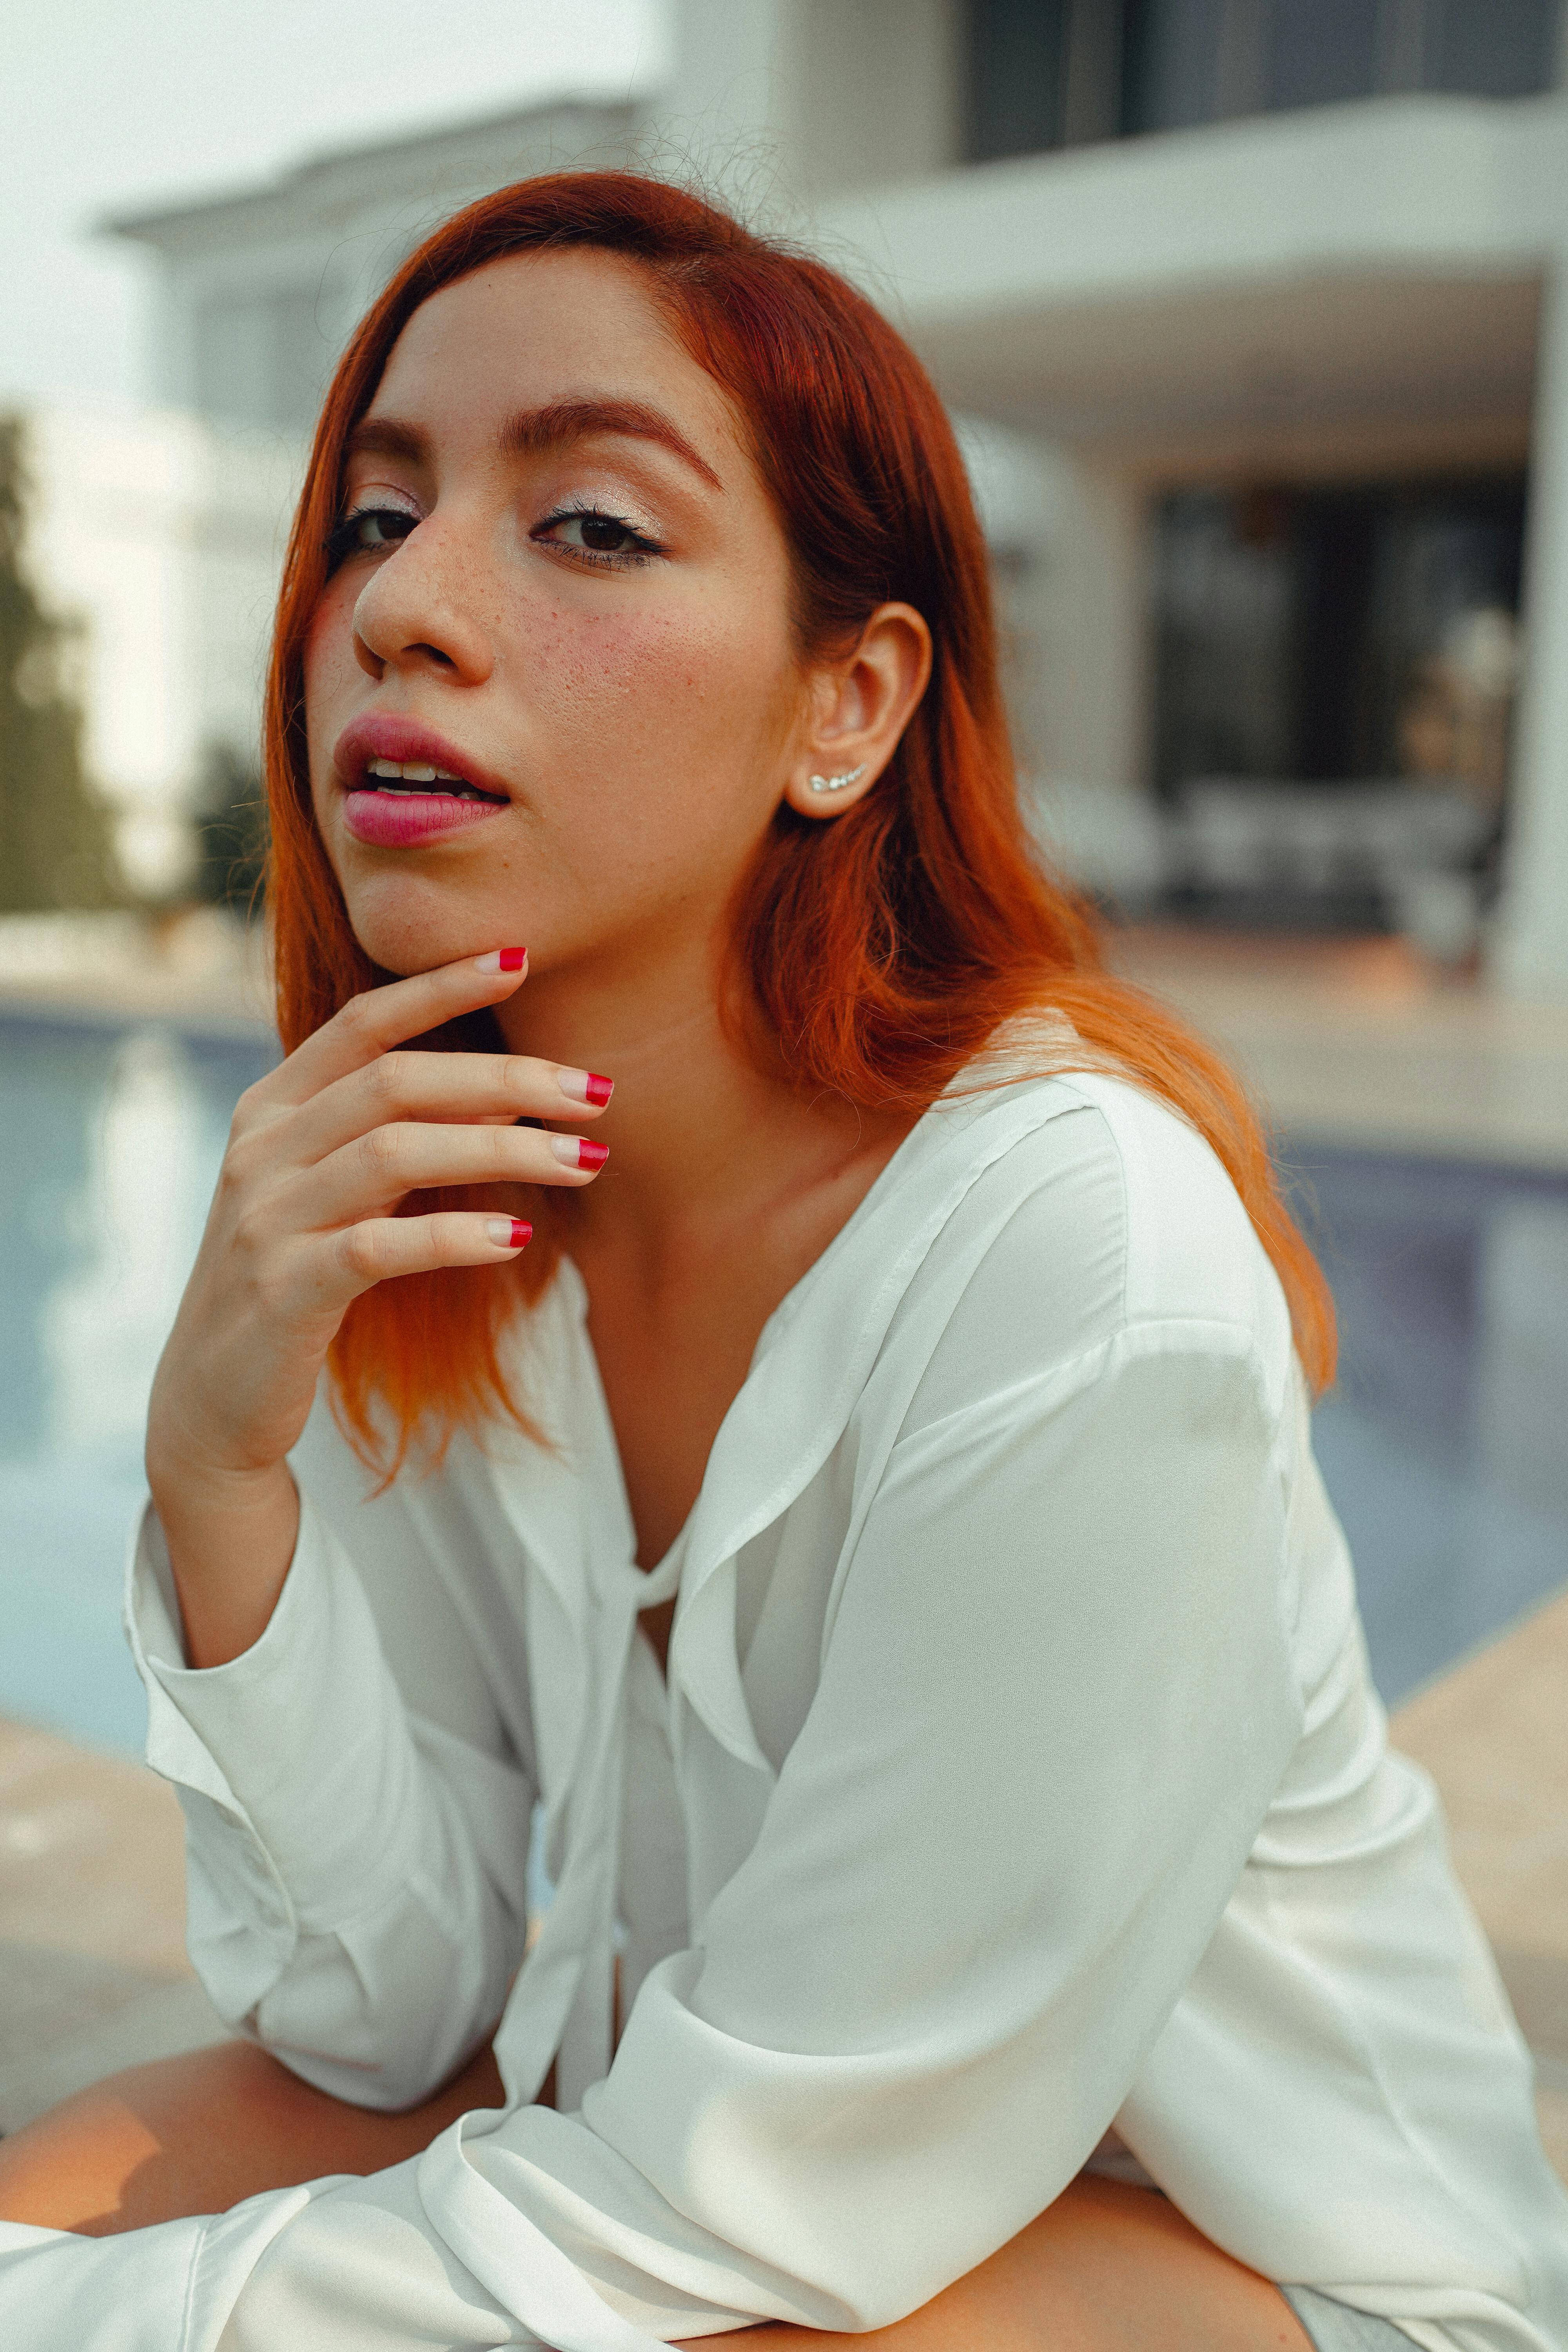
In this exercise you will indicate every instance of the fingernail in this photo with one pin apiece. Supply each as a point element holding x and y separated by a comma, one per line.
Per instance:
<point>503,960</point>
<point>509,1233</point>
<point>576,1151</point>
<point>585,1086</point>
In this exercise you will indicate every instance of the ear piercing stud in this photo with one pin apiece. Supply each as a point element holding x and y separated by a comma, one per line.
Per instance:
<point>837,783</point>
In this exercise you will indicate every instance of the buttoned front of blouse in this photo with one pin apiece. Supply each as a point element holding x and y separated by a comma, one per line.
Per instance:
<point>1018,1777</point>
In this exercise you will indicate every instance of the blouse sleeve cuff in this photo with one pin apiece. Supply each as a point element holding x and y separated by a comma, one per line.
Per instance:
<point>198,1717</point>
<point>302,1738</point>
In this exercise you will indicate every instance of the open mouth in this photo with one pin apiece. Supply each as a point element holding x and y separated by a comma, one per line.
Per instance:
<point>407,787</point>
<point>413,776</point>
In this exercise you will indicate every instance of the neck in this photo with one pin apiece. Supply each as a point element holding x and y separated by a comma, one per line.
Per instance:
<point>699,1138</point>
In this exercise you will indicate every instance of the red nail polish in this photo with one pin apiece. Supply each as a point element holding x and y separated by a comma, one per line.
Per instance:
<point>513,959</point>
<point>521,1233</point>
<point>592,1155</point>
<point>599,1089</point>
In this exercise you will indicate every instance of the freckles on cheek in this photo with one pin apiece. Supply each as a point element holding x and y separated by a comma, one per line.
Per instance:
<point>329,643</point>
<point>329,671</point>
<point>326,654</point>
<point>330,677</point>
<point>664,667</point>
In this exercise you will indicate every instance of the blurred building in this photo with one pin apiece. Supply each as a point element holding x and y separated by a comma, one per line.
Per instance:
<point>259,292</point>
<point>1253,313</point>
<point>1271,293</point>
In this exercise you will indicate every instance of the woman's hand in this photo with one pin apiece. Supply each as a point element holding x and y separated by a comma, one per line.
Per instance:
<point>320,1152</point>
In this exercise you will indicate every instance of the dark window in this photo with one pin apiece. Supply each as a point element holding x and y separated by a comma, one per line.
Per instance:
<point>1320,52</point>
<point>1492,48</point>
<point>1171,63</point>
<point>1185,62</point>
<point>1017,76</point>
<point>1332,636</point>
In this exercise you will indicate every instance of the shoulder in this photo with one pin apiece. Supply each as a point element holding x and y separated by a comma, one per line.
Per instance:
<point>1110,1214</point>
<point>1192,1251</point>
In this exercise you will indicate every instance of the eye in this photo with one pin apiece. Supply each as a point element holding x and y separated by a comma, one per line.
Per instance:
<point>368,530</point>
<point>593,536</point>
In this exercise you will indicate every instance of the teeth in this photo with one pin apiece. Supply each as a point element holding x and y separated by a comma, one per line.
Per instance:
<point>413,771</point>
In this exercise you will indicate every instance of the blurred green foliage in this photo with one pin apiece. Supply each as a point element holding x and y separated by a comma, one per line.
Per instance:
<point>55,844</point>
<point>230,824</point>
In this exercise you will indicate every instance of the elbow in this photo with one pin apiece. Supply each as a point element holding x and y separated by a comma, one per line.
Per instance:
<point>389,2086</point>
<point>380,2010</point>
<point>375,2037</point>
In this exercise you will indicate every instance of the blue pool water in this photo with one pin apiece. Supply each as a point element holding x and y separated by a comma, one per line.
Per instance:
<point>1443,1446</point>
<point>109,1144</point>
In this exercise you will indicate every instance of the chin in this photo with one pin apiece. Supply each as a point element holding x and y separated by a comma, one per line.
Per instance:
<point>406,924</point>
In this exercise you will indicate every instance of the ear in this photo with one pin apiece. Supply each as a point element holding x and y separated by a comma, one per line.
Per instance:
<point>857,711</point>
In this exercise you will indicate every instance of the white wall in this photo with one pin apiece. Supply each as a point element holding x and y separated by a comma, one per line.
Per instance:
<point>1069,541</point>
<point>877,92</point>
<point>785,103</point>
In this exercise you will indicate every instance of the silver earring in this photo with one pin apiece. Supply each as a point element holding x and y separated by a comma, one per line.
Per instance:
<point>837,783</point>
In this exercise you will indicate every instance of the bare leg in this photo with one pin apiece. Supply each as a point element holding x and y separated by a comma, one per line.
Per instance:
<point>1105,2269</point>
<point>198,2134</point>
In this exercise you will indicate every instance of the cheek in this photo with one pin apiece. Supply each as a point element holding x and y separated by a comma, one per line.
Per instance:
<point>329,642</point>
<point>679,690</point>
<point>330,671</point>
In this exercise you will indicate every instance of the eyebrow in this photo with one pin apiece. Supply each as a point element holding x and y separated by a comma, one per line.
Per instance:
<point>534,432</point>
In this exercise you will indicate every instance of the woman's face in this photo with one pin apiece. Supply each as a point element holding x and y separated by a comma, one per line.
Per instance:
<point>561,587</point>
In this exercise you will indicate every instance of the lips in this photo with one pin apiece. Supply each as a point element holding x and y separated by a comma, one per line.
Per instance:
<point>404,784</point>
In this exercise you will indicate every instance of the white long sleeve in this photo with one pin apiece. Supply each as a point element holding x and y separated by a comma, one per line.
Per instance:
<point>349,1853</point>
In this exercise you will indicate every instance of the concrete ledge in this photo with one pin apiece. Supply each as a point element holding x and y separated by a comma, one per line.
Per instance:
<point>202,969</point>
<point>93,1973</point>
<point>1493,1733</point>
<point>93,2022</point>
<point>1359,1044</point>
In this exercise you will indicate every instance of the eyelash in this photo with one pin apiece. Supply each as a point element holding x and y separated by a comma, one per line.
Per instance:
<point>626,559</point>
<point>343,541</point>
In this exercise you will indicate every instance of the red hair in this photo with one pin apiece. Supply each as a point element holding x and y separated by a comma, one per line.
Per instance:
<point>873,956</point>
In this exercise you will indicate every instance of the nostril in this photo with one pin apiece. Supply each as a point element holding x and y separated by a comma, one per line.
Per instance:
<point>433,652</point>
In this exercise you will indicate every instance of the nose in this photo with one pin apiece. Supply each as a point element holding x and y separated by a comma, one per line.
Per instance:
<point>415,613</point>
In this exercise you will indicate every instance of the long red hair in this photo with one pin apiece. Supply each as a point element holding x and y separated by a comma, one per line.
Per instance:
<point>873,956</point>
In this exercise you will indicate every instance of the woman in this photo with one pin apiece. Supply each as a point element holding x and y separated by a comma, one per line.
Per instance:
<point>875,1516</point>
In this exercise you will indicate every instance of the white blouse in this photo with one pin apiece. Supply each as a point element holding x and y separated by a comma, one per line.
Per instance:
<point>1018,1801</point>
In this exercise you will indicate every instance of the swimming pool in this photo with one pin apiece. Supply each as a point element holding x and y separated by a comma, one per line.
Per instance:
<point>1443,1446</point>
<point>109,1144</point>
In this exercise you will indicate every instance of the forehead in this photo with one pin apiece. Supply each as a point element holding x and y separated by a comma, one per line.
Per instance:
<point>536,328</point>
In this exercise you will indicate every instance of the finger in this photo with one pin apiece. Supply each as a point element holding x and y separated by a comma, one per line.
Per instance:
<point>380,1167</point>
<point>464,1087</point>
<point>369,1024</point>
<point>377,1248</point>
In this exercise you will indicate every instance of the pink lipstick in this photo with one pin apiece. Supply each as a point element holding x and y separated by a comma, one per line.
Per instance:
<point>405,785</point>
<point>402,819</point>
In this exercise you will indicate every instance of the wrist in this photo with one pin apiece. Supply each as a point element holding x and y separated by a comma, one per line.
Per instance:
<point>230,1537</point>
<point>183,1483</point>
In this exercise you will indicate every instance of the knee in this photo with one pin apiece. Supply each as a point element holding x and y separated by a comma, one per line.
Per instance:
<point>109,2157</point>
